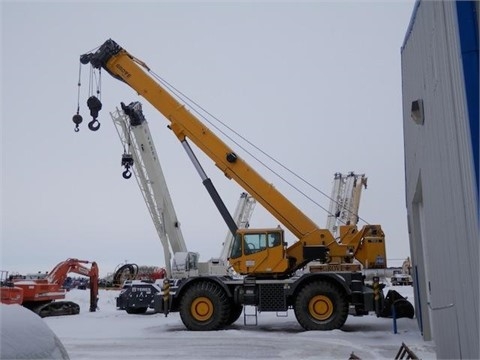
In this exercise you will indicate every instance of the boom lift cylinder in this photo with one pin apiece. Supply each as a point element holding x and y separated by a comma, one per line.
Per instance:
<point>207,182</point>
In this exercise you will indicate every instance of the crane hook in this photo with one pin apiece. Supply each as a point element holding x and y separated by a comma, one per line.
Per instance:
<point>127,162</point>
<point>95,105</point>
<point>94,125</point>
<point>127,174</point>
<point>77,119</point>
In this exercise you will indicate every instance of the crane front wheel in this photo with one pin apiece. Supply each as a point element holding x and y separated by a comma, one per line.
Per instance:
<point>321,306</point>
<point>201,308</point>
<point>204,306</point>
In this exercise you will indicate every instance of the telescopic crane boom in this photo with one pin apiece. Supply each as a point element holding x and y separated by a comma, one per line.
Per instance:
<point>271,282</point>
<point>314,242</point>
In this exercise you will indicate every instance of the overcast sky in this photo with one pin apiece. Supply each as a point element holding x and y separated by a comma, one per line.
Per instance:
<point>317,85</point>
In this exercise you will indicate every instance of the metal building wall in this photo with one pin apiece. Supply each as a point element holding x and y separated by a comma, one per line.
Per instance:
<point>441,193</point>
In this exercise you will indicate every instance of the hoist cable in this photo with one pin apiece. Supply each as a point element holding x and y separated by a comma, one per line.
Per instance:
<point>99,84</point>
<point>90,81</point>
<point>184,98</point>
<point>79,84</point>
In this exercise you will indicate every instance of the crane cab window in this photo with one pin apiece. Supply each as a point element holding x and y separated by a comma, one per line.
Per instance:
<point>251,243</point>
<point>274,239</point>
<point>254,243</point>
<point>236,251</point>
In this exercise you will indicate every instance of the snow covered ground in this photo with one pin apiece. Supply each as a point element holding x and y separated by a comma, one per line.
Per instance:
<point>113,334</point>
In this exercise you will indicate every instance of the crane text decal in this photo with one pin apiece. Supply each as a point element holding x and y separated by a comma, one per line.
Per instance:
<point>141,289</point>
<point>124,72</point>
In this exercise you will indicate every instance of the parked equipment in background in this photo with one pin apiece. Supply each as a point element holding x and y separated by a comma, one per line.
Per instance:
<point>130,272</point>
<point>9,293</point>
<point>399,278</point>
<point>272,277</point>
<point>343,210</point>
<point>124,272</point>
<point>45,295</point>
<point>345,200</point>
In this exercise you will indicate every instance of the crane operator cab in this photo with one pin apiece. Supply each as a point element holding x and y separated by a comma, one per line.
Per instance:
<point>259,251</point>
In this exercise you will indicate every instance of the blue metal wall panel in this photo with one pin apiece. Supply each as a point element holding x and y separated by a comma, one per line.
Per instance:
<point>468,31</point>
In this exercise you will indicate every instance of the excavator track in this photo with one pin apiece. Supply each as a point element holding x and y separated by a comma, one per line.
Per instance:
<point>57,308</point>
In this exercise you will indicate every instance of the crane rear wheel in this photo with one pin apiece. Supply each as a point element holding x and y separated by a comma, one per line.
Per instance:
<point>321,305</point>
<point>204,306</point>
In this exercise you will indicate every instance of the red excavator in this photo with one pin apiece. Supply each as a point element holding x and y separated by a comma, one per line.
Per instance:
<point>44,296</point>
<point>9,293</point>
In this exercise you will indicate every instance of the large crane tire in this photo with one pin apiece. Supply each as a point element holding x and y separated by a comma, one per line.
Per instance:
<point>205,306</point>
<point>321,306</point>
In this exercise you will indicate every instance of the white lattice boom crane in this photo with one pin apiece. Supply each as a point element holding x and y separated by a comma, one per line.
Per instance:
<point>138,146</point>
<point>141,156</point>
<point>345,200</point>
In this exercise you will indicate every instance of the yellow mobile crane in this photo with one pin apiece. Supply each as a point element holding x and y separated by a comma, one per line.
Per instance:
<point>272,277</point>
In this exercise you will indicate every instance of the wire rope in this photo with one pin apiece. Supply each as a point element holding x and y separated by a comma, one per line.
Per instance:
<point>180,95</point>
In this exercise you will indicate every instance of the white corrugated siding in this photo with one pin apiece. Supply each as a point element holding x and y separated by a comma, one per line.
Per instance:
<point>440,188</point>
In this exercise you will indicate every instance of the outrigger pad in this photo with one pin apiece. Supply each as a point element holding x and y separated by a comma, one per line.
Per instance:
<point>403,308</point>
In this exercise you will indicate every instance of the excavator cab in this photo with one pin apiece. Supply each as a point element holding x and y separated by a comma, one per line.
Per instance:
<point>259,251</point>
